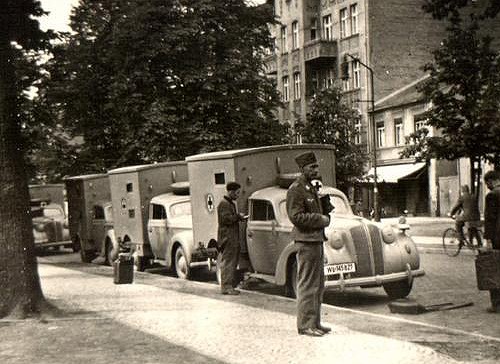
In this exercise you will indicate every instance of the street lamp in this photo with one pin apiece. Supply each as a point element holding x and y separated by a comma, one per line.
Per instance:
<point>374,139</point>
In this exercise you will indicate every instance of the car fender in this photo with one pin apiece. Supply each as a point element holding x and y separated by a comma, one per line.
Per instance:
<point>282,263</point>
<point>185,240</point>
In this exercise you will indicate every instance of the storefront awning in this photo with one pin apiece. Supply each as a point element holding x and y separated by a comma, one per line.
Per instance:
<point>392,174</point>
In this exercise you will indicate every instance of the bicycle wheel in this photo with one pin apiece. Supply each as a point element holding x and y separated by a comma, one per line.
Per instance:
<point>451,242</point>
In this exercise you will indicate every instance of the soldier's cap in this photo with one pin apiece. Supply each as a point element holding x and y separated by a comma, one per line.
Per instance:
<point>305,158</point>
<point>233,186</point>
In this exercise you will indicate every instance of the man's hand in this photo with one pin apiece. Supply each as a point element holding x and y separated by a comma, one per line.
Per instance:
<point>325,219</point>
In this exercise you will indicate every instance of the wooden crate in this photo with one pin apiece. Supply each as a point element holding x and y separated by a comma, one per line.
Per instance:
<point>488,270</point>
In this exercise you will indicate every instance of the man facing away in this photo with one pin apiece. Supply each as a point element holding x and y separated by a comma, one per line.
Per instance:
<point>228,238</point>
<point>305,213</point>
<point>492,225</point>
<point>467,203</point>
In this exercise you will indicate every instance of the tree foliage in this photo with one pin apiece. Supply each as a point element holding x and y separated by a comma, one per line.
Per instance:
<point>464,92</point>
<point>441,9</point>
<point>332,121</point>
<point>20,39</point>
<point>157,80</point>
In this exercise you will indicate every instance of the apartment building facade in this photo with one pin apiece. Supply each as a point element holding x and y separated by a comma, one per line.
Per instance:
<point>388,40</point>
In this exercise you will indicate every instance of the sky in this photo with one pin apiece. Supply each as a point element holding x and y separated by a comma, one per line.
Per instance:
<point>58,19</point>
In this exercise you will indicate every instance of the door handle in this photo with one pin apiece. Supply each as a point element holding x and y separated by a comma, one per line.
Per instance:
<point>150,230</point>
<point>249,234</point>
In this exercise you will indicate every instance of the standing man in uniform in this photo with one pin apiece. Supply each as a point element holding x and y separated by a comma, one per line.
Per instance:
<point>492,226</point>
<point>228,238</point>
<point>305,212</point>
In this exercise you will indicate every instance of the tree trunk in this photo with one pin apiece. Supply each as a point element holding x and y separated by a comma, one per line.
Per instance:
<point>20,290</point>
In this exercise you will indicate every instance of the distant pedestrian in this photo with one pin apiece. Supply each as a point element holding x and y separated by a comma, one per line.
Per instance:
<point>467,209</point>
<point>228,238</point>
<point>492,225</point>
<point>305,212</point>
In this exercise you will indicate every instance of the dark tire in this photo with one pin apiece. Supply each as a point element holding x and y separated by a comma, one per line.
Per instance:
<point>451,242</point>
<point>399,289</point>
<point>291,279</point>
<point>141,263</point>
<point>182,269</point>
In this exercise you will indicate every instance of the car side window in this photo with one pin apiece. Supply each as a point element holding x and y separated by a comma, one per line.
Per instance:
<point>262,210</point>
<point>98,212</point>
<point>158,212</point>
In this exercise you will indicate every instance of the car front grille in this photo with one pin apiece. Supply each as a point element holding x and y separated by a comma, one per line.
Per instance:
<point>366,255</point>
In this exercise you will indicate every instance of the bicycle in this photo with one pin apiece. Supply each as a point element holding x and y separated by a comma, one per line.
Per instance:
<point>473,238</point>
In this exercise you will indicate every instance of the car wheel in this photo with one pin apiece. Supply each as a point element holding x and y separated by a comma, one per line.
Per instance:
<point>399,289</point>
<point>181,264</point>
<point>291,279</point>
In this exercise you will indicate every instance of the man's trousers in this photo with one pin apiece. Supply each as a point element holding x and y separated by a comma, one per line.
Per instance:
<point>229,261</point>
<point>310,284</point>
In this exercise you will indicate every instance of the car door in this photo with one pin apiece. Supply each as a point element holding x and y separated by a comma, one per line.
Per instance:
<point>98,226</point>
<point>157,229</point>
<point>262,236</point>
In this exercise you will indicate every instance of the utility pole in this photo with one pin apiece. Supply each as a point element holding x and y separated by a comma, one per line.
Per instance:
<point>371,120</point>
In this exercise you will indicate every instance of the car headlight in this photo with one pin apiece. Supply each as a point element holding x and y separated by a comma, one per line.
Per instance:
<point>39,227</point>
<point>335,239</point>
<point>388,235</point>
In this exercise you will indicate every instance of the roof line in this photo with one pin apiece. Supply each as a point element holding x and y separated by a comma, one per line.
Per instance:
<point>402,89</point>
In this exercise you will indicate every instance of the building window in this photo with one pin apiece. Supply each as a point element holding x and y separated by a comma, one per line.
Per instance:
<point>286,89</point>
<point>398,132</point>
<point>380,135</point>
<point>284,41</point>
<point>354,18</point>
<point>420,122</point>
<point>357,131</point>
<point>314,81</point>
<point>356,75</point>
<point>314,27</point>
<point>343,22</point>
<point>295,35</point>
<point>345,81</point>
<point>327,27</point>
<point>296,86</point>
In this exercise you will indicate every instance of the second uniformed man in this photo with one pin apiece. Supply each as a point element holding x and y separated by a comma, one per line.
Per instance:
<point>305,213</point>
<point>228,238</point>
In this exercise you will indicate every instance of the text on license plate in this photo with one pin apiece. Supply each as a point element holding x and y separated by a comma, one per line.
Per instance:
<point>339,268</point>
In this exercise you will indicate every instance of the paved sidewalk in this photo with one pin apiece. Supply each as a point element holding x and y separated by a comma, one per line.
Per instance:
<point>207,326</point>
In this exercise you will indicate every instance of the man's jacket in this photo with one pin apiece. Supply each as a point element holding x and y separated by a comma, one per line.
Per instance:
<point>492,217</point>
<point>467,202</point>
<point>304,211</point>
<point>228,219</point>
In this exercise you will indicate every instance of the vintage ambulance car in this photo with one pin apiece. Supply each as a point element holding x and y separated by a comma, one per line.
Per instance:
<point>91,216</point>
<point>358,252</point>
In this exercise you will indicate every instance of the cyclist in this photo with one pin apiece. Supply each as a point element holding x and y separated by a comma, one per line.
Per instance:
<point>467,204</point>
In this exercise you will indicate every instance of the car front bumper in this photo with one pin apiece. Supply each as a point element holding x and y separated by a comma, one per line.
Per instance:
<point>372,281</point>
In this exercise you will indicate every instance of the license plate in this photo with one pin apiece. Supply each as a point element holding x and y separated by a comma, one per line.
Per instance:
<point>339,268</point>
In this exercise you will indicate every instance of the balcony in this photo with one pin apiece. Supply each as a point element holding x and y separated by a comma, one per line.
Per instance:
<point>271,64</point>
<point>320,50</point>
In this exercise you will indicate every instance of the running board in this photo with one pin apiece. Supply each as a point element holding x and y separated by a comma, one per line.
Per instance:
<point>265,277</point>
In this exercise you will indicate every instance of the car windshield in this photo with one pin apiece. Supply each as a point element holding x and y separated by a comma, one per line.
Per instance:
<point>341,207</point>
<point>180,209</point>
